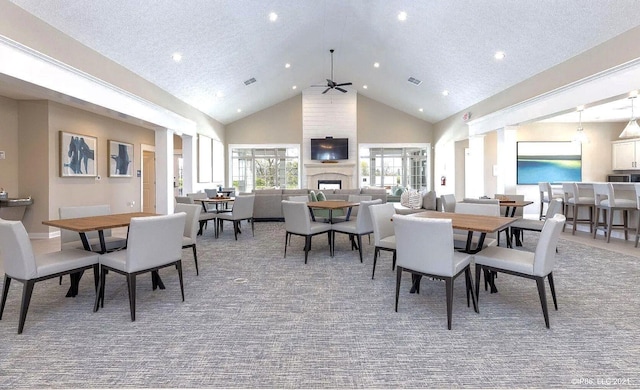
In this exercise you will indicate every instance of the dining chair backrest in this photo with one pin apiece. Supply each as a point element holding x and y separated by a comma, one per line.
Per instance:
<point>184,200</point>
<point>192,212</point>
<point>364,222</point>
<point>545,254</point>
<point>448,203</point>
<point>381,215</point>
<point>555,207</point>
<point>299,198</point>
<point>79,212</point>
<point>243,206</point>
<point>297,218</point>
<point>424,244</point>
<point>545,191</point>
<point>211,192</point>
<point>16,252</point>
<point>154,241</point>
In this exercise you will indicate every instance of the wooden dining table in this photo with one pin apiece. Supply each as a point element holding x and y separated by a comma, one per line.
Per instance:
<point>512,205</point>
<point>332,205</point>
<point>98,223</point>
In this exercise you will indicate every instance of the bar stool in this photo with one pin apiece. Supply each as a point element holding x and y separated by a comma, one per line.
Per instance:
<point>546,194</point>
<point>605,200</point>
<point>576,198</point>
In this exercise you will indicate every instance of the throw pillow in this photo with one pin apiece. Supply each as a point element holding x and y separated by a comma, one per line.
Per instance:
<point>429,200</point>
<point>399,191</point>
<point>320,196</point>
<point>312,196</point>
<point>411,199</point>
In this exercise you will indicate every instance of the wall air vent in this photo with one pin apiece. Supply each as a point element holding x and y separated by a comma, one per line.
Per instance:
<point>250,81</point>
<point>414,80</point>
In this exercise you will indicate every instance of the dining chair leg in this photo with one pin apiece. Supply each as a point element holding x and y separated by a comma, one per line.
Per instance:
<point>596,222</point>
<point>543,299</point>
<point>478,269</point>
<point>307,246</point>
<point>398,279</point>
<point>553,290</point>
<point>393,264</point>
<point>625,217</point>
<point>473,298</point>
<point>195,258</point>
<point>376,252</point>
<point>236,227</point>
<point>609,224</point>
<point>26,299</point>
<point>131,285</point>
<point>360,246</point>
<point>253,232</point>
<point>287,239</point>
<point>5,292</point>
<point>96,276</point>
<point>179,267</point>
<point>449,288</point>
<point>103,283</point>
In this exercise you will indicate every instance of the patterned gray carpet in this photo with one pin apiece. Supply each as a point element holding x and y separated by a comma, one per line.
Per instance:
<point>254,319</point>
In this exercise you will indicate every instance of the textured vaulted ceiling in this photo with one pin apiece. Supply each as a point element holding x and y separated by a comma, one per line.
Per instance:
<point>448,44</point>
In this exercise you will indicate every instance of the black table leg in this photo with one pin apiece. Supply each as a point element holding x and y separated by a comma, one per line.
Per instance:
<point>156,281</point>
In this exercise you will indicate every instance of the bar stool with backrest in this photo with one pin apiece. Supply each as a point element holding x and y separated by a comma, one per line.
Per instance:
<point>607,202</point>
<point>577,196</point>
<point>546,194</point>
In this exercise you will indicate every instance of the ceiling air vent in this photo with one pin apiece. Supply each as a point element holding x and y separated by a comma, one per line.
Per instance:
<point>414,80</point>
<point>250,81</point>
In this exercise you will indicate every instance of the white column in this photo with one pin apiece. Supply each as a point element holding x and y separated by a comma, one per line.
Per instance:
<point>189,168</point>
<point>164,171</point>
<point>506,168</point>
<point>474,168</point>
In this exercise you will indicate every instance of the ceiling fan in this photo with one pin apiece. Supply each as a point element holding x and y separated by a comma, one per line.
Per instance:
<point>332,84</point>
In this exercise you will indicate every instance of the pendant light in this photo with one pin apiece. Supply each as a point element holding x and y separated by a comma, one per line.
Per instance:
<point>632,129</point>
<point>580,136</point>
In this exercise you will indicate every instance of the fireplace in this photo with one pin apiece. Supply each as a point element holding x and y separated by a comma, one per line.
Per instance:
<point>329,184</point>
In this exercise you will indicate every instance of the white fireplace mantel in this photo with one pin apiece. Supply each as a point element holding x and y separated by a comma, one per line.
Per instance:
<point>330,171</point>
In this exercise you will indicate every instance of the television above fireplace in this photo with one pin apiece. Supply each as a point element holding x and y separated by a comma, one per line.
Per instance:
<point>329,149</point>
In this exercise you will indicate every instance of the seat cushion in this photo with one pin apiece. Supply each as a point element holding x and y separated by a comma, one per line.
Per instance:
<point>507,259</point>
<point>319,227</point>
<point>115,260</point>
<point>187,241</point>
<point>388,242</point>
<point>64,260</point>
<point>460,260</point>
<point>528,224</point>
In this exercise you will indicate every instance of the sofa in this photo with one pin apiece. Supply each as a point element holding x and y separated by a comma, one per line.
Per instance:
<point>429,202</point>
<point>268,207</point>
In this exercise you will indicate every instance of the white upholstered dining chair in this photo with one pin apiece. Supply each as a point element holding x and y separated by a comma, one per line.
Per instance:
<point>21,264</point>
<point>424,247</point>
<point>190,234</point>
<point>154,243</point>
<point>297,221</point>
<point>356,228</point>
<point>383,234</point>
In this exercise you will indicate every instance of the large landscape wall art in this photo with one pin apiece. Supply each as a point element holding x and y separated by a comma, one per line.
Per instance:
<point>552,162</point>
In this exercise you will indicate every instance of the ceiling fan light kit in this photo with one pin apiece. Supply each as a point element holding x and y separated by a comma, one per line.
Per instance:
<point>332,84</point>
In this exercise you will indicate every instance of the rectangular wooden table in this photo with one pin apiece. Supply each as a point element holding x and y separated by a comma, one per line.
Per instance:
<point>332,205</point>
<point>100,223</point>
<point>512,205</point>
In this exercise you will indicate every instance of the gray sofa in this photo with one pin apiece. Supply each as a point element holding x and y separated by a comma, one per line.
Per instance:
<point>429,202</point>
<point>268,207</point>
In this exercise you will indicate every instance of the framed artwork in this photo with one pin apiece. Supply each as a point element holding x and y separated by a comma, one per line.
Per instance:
<point>120,159</point>
<point>78,155</point>
<point>552,162</point>
<point>205,159</point>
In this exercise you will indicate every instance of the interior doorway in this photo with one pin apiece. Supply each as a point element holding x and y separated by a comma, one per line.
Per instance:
<point>148,181</point>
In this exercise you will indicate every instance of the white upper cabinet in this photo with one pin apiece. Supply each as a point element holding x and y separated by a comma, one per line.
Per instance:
<point>625,155</point>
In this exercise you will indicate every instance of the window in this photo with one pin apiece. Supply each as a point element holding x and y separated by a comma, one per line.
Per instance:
<point>257,167</point>
<point>391,166</point>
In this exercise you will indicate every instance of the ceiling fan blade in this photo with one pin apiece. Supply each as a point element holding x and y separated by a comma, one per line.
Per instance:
<point>341,90</point>
<point>330,83</point>
<point>343,84</point>
<point>326,90</point>
<point>318,85</point>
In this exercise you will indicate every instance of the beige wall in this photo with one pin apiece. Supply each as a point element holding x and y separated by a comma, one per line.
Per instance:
<point>278,124</point>
<point>379,123</point>
<point>9,179</point>
<point>39,124</point>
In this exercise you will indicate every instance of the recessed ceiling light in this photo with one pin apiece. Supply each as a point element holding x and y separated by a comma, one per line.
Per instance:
<point>402,16</point>
<point>177,57</point>
<point>219,94</point>
<point>287,65</point>
<point>499,55</point>
<point>420,109</point>
<point>273,16</point>
<point>239,110</point>
<point>376,64</point>
<point>365,86</point>
<point>445,93</point>
<point>294,87</point>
